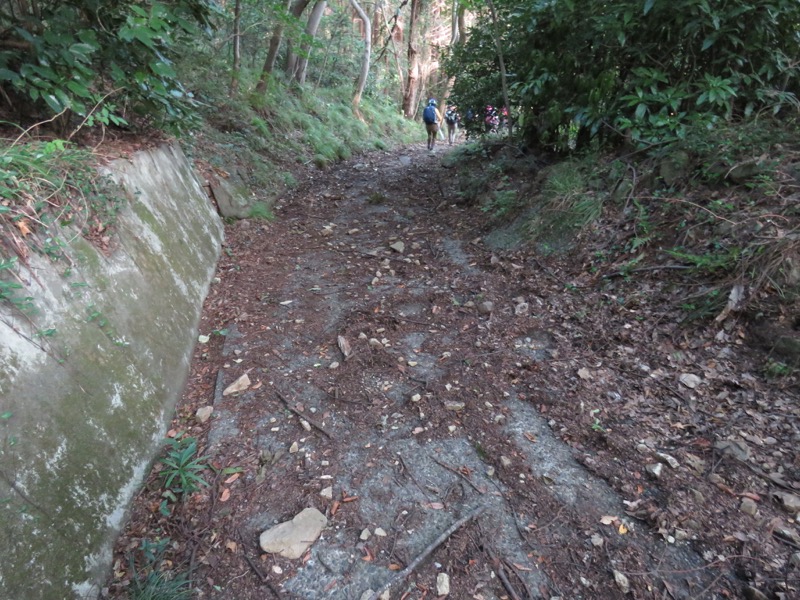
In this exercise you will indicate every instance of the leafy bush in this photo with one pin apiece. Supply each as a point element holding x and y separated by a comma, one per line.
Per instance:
<point>101,61</point>
<point>642,71</point>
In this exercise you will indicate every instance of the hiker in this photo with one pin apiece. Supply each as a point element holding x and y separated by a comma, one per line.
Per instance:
<point>491,119</point>
<point>432,119</point>
<point>451,118</point>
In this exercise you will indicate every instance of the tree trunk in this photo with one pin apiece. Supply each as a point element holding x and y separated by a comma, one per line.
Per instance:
<point>292,60</point>
<point>412,80</point>
<point>503,79</point>
<point>237,47</point>
<point>311,31</point>
<point>272,54</point>
<point>362,77</point>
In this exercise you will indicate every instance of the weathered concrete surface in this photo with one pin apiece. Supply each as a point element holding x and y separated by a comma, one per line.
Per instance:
<point>84,410</point>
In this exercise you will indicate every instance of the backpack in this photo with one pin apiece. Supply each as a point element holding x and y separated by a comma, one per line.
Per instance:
<point>451,117</point>
<point>429,114</point>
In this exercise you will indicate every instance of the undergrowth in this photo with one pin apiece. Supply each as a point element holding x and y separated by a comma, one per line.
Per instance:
<point>714,212</point>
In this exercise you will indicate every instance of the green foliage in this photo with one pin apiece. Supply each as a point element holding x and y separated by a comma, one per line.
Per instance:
<point>263,211</point>
<point>101,61</point>
<point>149,581</point>
<point>182,472</point>
<point>627,70</point>
<point>775,369</point>
<point>9,290</point>
<point>45,187</point>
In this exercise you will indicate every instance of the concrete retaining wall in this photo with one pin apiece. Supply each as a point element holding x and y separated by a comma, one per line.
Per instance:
<point>89,381</point>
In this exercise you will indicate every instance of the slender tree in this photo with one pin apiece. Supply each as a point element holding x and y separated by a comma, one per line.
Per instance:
<point>362,77</point>
<point>311,31</point>
<point>272,53</point>
<point>412,78</point>
<point>237,47</point>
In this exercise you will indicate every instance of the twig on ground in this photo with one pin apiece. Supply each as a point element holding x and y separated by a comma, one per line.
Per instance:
<point>256,570</point>
<point>425,553</point>
<point>302,416</point>
<point>457,472</point>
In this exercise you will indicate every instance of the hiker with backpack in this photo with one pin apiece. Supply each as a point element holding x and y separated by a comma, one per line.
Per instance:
<point>432,119</point>
<point>451,118</point>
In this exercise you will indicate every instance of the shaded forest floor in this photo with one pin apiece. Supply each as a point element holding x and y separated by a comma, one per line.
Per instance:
<point>405,371</point>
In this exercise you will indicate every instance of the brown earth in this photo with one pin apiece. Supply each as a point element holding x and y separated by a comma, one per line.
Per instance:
<point>601,448</point>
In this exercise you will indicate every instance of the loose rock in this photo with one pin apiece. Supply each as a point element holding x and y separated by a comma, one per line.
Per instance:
<point>204,414</point>
<point>748,506</point>
<point>442,584</point>
<point>655,469</point>
<point>239,385</point>
<point>622,582</point>
<point>291,539</point>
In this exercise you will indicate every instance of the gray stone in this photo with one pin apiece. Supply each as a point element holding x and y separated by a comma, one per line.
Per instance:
<point>486,307</point>
<point>790,502</point>
<point>291,539</point>
<point>655,469</point>
<point>748,506</point>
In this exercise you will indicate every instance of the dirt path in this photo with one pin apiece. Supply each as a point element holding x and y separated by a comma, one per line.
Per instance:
<point>472,381</point>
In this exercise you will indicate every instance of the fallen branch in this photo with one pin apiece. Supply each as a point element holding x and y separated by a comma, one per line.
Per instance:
<point>457,472</point>
<point>425,553</point>
<point>264,579</point>
<point>283,399</point>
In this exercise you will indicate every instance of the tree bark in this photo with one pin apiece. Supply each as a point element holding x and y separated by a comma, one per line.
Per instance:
<point>292,59</point>
<point>237,47</point>
<point>311,30</point>
<point>412,80</point>
<point>503,79</point>
<point>362,77</point>
<point>272,54</point>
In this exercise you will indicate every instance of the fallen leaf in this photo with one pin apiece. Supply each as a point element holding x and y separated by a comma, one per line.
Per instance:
<point>530,437</point>
<point>395,567</point>
<point>608,520</point>
<point>24,227</point>
<point>584,373</point>
<point>232,478</point>
<point>226,494</point>
<point>433,505</point>
<point>622,530</point>
<point>690,380</point>
<point>334,507</point>
<point>230,545</point>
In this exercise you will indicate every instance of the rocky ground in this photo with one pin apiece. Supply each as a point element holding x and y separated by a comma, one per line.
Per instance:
<point>464,418</point>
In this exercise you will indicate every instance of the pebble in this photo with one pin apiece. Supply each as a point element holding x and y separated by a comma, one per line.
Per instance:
<point>748,506</point>
<point>486,307</point>
<point>655,469</point>
<point>454,405</point>
<point>505,461</point>
<point>622,582</point>
<point>334,365</point>
<point>416,398</point>
<point>294,448</point>
<point>277,570</point>
<point>365,535</point>
<point>442,584</point>
<point>204,414</point>
<point>380,532</point>
<point>327,493</point>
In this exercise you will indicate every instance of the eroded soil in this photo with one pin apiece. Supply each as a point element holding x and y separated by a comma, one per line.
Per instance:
<point>610,452</point>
